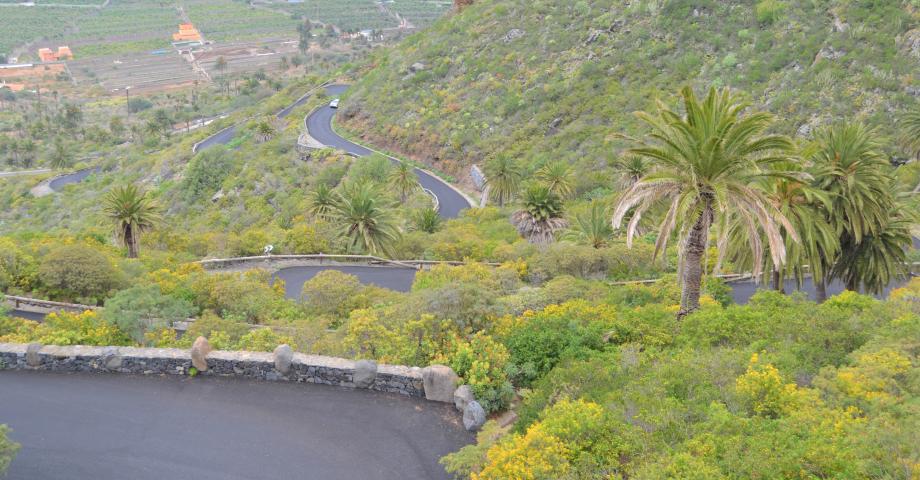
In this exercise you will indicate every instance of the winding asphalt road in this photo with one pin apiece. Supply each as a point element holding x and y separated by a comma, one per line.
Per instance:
<point>99,427</point>
<point>226,135</point>
<point>58,183</point>
<point>394,278</point>
<point>319,126</point>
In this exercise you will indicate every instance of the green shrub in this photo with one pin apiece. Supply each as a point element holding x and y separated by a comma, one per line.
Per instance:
<point>482,363</point>
<point>538,340</point>
<point>143,308</point>
<point>8,449</point>
<point>78,272</point>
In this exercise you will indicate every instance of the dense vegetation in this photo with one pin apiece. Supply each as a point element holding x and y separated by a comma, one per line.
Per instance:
<point>788,174</point>
<point>547,80</point>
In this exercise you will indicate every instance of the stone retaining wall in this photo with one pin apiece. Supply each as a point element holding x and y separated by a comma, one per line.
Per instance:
<point>256,365</point>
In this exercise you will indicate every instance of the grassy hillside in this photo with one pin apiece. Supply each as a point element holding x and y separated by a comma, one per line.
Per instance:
<point>542,79</point>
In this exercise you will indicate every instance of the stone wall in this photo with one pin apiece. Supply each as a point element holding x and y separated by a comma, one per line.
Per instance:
<point>296,367</point>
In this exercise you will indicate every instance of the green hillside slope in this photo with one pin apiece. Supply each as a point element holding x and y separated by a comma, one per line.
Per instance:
<point>545,79</point>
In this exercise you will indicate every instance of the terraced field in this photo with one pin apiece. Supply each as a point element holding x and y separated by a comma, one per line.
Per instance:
<point>247,57</point>
<point>419,12</point>
<point>139,72</point>
<point>345,14</point>
<point>225,20</point>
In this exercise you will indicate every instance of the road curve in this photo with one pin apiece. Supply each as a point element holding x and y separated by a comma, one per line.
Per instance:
<point>394,278</point>
<point>226,135</point>
<point>319,126</point>
<point>98,426</point>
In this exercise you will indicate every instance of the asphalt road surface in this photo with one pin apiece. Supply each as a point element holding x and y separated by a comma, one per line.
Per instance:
<point>100,427</point>
<point>76,177</point>
<point>394,278</point>
<point>742,291</point>
<point>319,125</point>
<point>27,315</point>
<point>226,135</point>
<point>222,137</point>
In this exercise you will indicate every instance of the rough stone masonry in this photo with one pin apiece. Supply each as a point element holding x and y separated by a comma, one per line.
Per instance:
<point>256,365</point>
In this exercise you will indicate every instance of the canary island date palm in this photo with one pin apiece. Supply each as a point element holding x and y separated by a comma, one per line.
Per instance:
<point>503,179</point>
<point>849,165</point>
<point>366,220</point>
<point>708,164</point>
<point>132,212</point>
<point>806,207</point>
<point>591,226</point>
<point>321,201</point>
<point>880,257</point>
<point>910,131</point>
<point>541,215</point>
<point>403,179</point>
<point>558,177</point>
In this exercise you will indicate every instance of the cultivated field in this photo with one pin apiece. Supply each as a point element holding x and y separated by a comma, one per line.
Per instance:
<point>140,72</point>
<point>135,26</point>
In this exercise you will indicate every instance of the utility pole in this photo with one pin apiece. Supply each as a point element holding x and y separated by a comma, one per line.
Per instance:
<point>128,100</point>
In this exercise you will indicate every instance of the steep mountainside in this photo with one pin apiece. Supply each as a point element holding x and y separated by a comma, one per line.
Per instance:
<point>546,79</point>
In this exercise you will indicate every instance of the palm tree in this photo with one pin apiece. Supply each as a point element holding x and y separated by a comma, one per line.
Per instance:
<point>60,157</point>
<point>503,178</point>
<point>132,212</point>
<point>367,224</point>
<point>428,220</point>
<point>806,207</point>
<point>541,216</point>
<point>629,170</point>
<point>265,131</point>
<point>592,226</point>
<point>321,201</point>
<point>559,177</point>
<point>709,162</point>
<point>911,133</point>
<point>880,257</point>
<point>404,180</point>
<point>849,166</point>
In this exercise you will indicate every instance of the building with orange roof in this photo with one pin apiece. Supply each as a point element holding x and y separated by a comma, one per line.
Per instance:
<point>48,55</point>
<point>187,33</point>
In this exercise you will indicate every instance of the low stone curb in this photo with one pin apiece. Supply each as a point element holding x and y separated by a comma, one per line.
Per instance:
<point>171,361</point>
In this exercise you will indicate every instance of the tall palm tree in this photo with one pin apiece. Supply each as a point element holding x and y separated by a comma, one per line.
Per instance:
<point>132,212</point>
<point>806,207</point>
<point>404,180</point>
<point>709,164</point>
<point>591,226</point>
<point>367,222</point>
<point>541,215</point>
<point>321,201</point>
<point>503,179</point>
<point>559,177</point>
<point>848,164</point>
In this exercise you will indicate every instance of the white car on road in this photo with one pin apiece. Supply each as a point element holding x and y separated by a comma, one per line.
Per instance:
<point>334,103</point>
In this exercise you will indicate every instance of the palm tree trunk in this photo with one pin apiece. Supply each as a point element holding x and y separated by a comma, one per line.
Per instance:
<point>820,289</point>
<point>130,241</point>
<point>778,281</point>
<point>692,271</point>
